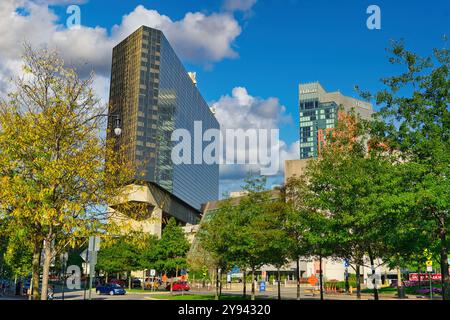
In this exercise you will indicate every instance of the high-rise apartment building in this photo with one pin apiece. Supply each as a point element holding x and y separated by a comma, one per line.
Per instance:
<point>152,95</point>
<point>318,114</point>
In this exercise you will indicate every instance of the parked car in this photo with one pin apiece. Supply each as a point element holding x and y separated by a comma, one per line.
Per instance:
<point>121,283</point>
<point>179,286</point>
<point>136,283</point>
<point>426,291</point>
<point>111,289</point>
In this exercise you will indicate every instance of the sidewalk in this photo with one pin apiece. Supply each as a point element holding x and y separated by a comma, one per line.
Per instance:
<point>13,297</point>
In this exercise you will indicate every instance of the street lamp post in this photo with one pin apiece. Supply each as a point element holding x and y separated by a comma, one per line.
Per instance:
<point>64,257</point>
<point>117,124</point>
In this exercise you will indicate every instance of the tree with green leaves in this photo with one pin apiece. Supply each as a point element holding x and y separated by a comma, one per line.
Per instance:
<point>340,200</point>
<point>213,241</point>
<point>415,108</point>
<point>171,249</point>
<point>121,255</point>
<point>274,221</point>
<point>301,222</point>
<point>16,255</point>
<point>247,232</point>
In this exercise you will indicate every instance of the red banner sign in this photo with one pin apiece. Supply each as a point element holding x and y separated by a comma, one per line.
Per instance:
<point>424,276</point>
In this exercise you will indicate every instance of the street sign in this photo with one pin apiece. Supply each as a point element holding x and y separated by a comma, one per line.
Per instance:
<point>346,263</point>
<point>84,255</point>
<point>152,272</point>
<point>429,268</point>
<point>312,280</point>
<point>262,286</point>
<point>88,256</point>
<point>94,243</point>
<point>424,276</point>
<point>429,263</point>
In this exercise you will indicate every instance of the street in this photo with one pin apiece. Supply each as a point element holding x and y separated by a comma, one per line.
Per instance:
<point>288,293</point>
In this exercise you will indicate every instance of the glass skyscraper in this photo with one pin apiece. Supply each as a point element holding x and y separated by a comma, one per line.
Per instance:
<point>318,115</point>
<point>152,95</point>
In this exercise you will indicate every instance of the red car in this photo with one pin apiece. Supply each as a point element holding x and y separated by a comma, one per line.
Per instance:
<point>121,283</point>
<point>179,286</point>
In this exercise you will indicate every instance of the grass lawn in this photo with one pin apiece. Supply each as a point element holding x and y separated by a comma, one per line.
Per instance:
<point>136,290</point>
<point>202,297</point>
<point>393,290</point>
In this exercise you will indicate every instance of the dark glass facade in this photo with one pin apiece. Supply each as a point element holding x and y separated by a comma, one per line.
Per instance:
<point>153,94</point>
<point>314,116</point>
<point>318,113</point>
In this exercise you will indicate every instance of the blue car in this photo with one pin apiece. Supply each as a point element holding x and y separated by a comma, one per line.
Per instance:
<point>111,289</point>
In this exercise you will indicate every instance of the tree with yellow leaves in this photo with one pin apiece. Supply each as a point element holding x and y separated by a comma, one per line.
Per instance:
<point>55,182</point>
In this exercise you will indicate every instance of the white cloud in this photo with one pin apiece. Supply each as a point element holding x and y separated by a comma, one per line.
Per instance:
<point>198,38</point>
<point>240,110</point>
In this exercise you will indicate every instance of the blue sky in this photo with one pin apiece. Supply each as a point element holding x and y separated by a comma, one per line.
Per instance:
<point>284,42</point>
<point>265,49</point>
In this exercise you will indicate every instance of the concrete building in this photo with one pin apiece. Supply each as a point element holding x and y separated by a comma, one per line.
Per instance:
<point>332,268</point>
<point>152,95</point>
<point>318,116</point>
<point>319,113</point>
<point>147,207</point>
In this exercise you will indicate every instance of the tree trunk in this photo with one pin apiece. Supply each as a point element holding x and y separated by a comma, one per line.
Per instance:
<point>321,277</point>
<point>298,278</point>
<point>244,294</point>
<point>129,280</point>
<point>374,280</point>
<point>400,283</point>
<point>106,277</point>
<point>36,267</point>
<point>444,265</point>
<point>216,297</point>
<point>46,269</point>
<point>347,284</point>
<point>420,272</point>
<point>253,283</point>
<point>220,284</point>
<point>358,281</point>
<point>279,283</point>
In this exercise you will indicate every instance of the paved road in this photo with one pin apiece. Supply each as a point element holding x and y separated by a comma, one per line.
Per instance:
<point>287,293</point>
<point>271,292</point>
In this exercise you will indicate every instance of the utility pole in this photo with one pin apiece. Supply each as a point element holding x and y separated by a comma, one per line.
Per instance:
<point>92,266</point>
<point>431,286</point>
<point>321,277</point>
<point>85,280</point>
<point>64,257</point>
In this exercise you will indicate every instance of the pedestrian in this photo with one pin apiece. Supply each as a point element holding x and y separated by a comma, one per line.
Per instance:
<point>50,292</point>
